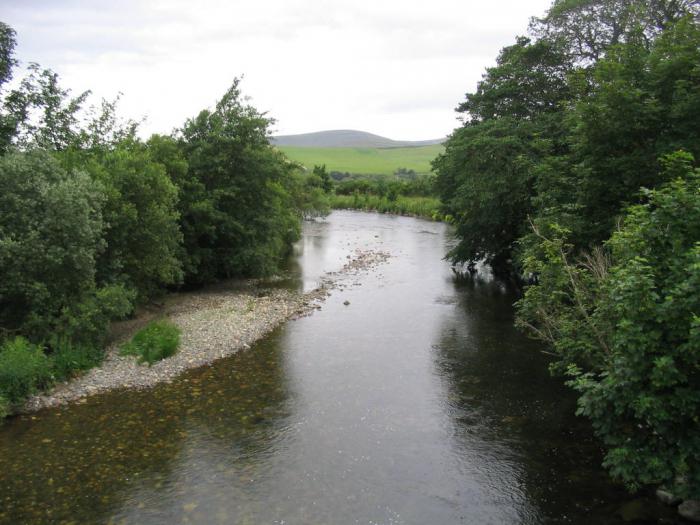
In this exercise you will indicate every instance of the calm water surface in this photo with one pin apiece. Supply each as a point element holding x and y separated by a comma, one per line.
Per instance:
<point>417,403</point>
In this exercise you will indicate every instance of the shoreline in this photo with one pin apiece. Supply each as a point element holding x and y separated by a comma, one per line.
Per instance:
<point>216,322</point>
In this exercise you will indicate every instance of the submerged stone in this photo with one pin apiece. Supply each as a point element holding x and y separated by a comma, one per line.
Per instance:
<point>690,510</point>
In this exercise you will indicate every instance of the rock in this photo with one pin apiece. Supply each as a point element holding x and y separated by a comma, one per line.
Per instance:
<point>690,510</point>
<point>346,302</point>
<point>664,496</point>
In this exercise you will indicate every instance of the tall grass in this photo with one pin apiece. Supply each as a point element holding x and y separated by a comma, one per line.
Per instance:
<point>425,207</point>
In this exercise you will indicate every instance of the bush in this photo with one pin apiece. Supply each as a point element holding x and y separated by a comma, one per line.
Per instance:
<point>4,408</point>
<point>87,322</point>
<point>23,369</point>
<point>67,358</point>
<point>158,340</point>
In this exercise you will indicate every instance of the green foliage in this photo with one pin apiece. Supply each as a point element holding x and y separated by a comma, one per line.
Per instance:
<point>324,179</point>
<point>239,217</point>
<point>426,207</point>
<point>559,140</point>
<point>625,326</point>
<point>142,237</point>
<point>645,103</point>
<point>68,358</point>
<point>23,369</point>
<point>158,340</point>
<point>86,322</point>
<point>7,46</point>
<point>486,177</point>
<point>50,236</point>
<point>589,28</point>
<point>4,408</point>
<point>310,193</point>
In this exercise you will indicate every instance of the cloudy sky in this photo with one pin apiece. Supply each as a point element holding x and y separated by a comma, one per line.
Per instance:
<point>392,67</point>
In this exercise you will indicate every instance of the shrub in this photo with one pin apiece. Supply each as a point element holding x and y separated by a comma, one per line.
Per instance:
<point>4,408</point>
<point>23,369</point>
<point>158,340</point>
<point>86,322</point>
<point>67,358</point>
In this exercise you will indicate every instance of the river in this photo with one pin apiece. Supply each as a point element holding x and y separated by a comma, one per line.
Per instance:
<point>416,403</point>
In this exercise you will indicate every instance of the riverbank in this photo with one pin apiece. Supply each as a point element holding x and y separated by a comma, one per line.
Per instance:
<point>420,207</point>
<point>215,322</point>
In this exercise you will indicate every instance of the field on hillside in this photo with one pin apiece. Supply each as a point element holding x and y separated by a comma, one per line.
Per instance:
<point>366,161</point>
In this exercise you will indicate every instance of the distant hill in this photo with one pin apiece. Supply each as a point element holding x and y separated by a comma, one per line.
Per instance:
<point>347,138</point>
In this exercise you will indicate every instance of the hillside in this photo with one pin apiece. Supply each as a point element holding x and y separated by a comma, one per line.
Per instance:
<point>366,161</point>
<point>347,138</point>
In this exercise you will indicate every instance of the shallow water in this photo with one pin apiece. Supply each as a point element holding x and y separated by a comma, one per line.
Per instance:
<point>417,403</point>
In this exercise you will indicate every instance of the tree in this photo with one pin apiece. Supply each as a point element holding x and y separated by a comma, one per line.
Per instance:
<point>326,183</point>
<point>8,42</point>
<point>142,233</point>
<point>589,28</point>
<point>644,103</point>
<point>239,218</point>
<point>485,176</point>
<point>624,321</point>
<point>50,237</point>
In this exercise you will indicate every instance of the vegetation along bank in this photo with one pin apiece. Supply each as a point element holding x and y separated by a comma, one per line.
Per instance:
<point>577,166</point>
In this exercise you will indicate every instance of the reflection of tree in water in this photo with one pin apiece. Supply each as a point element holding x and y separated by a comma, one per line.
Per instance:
<point>86,462</point>
<point>501,392</point>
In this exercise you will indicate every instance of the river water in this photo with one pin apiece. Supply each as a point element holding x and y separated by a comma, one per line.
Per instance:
<point>416,403</point>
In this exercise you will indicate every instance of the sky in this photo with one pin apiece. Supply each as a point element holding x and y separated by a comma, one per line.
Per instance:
<point>397,68</point>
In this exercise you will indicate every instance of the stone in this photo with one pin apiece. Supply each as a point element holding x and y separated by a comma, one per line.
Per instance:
<point>346,302</point>
<point>690,510</point>
<point>667,497</point>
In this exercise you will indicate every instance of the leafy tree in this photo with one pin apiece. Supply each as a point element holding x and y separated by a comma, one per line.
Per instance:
<point>624,321</point>
<point>588,28</point>
<point>8,42</point>
<point>142,233</point>
<point>326,183</point>
<point>644,103</point>
<point>485,176</point>
<point>239,217</point>
<point>50,237</point>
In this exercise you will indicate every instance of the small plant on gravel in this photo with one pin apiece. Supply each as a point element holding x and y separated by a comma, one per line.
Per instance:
<point>156,341</point>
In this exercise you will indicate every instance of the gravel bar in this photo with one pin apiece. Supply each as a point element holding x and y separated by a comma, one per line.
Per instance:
<point>215,322</point>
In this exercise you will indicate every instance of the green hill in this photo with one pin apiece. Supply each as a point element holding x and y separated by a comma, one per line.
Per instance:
<point>366,161</point>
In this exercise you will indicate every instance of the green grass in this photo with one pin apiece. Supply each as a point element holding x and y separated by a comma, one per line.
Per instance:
<point>366,161</point>
<point>426,207</point>
<point>156,341</point>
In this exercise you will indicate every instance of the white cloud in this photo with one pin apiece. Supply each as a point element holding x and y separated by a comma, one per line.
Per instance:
<point>397,68</point>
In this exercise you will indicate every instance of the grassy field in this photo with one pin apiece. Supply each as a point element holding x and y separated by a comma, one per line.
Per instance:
<point>366,161</point>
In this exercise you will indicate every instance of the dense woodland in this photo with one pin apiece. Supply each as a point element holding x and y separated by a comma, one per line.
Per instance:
<point>96,221</point>
<point>575,168</point>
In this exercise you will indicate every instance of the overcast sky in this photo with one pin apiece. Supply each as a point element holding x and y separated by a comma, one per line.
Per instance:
<point>396,68</point>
